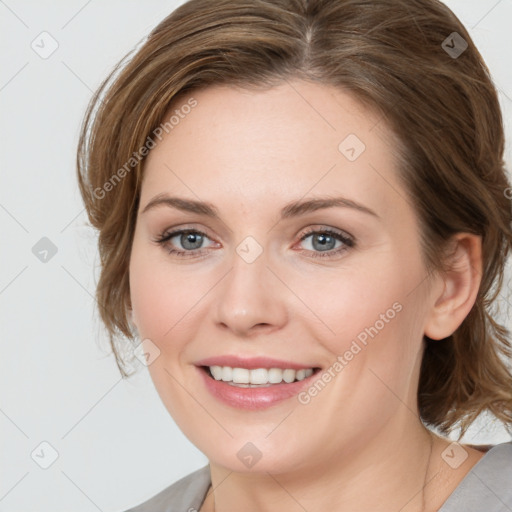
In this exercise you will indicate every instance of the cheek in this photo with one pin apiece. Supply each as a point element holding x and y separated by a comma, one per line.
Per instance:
<point>162,298</point>
<point>352,305</point>
<point>153,306</point>
<point>369,321</point>
<point>162,303</point>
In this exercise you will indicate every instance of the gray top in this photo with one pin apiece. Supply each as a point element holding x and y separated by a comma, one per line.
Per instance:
<point>487,487</point>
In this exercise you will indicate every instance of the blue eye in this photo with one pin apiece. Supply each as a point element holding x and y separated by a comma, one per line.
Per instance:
<point>323,242</point>
<point>190,239</point>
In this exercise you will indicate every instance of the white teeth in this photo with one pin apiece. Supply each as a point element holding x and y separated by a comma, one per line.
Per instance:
<point>289,375</point>
<point>227,373</point>
<point>257,376</point>
<point>240,375</point>
<point>216,372</point>
<point>275,375</point>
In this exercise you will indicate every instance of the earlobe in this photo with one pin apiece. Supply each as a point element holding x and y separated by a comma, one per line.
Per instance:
<point>461,280</point>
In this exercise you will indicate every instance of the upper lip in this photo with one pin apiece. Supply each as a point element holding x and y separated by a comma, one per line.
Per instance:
<point>251,362</point>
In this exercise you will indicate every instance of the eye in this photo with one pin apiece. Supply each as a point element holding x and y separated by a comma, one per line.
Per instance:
<point>190,240</point>
<point>326,242</point>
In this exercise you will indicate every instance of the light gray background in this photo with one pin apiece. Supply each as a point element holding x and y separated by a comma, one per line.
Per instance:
<point>116,444</point>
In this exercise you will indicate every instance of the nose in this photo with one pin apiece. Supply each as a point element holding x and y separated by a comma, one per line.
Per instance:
<point>250,299</point>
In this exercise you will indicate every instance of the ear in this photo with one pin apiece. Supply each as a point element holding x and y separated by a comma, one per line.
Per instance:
<point>460,282</point>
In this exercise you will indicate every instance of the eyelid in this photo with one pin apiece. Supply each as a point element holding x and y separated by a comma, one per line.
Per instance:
<point>178,228</point>
<point>326,229</point>
<point>347,241</point>
<point>164,237</point>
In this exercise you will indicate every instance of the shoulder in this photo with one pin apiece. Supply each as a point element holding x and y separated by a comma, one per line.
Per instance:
<point>185,495</point>
<point>488,486</point>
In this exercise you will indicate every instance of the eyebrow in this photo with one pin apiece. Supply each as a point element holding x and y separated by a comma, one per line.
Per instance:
<point>293,209</point>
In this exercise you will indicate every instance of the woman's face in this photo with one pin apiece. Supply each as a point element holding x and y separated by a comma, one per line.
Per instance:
<point>302,252</point>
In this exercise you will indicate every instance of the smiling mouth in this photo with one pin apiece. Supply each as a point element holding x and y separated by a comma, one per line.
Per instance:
<point>257,377</point>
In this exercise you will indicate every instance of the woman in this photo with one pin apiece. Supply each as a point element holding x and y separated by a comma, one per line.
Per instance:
<point>303,226</point>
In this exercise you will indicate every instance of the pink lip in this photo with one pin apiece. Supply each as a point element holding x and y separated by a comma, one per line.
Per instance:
<point>251,398</point>
<point>251,363</point>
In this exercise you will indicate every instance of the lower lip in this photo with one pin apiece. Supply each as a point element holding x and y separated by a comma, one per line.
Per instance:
<point>253,398</point>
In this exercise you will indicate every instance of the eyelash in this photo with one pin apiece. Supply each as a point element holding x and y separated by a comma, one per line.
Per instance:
<point>196,253</point>
<point>347,242</point>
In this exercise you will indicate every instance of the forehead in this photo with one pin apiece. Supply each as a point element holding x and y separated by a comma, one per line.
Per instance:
<point>282,143</point>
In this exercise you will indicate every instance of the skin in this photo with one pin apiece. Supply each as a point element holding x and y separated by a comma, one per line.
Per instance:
<point>359,442</point>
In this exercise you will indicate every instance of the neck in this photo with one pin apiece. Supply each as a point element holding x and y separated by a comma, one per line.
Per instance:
<point>383,475</point>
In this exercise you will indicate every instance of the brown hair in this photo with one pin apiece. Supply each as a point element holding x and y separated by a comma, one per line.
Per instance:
<point>392,55</point>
